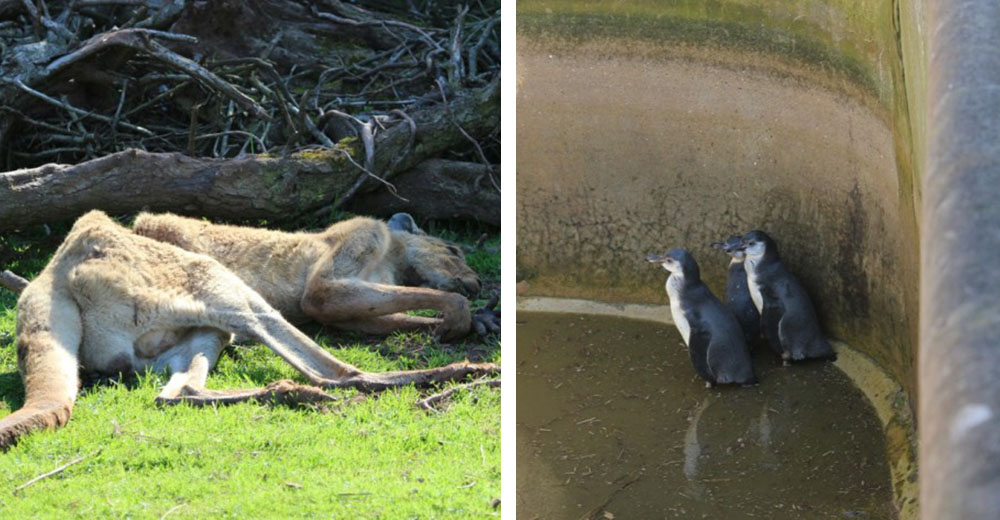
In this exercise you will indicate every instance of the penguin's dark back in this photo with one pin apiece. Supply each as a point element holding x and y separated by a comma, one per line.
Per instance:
<point>740,302</point>
<point>697,295</point>
<point>736,281</point>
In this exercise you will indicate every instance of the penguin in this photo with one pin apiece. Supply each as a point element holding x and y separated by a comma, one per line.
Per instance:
<point>787,316</point>
<point>737,294</point>
<point>714,338</point>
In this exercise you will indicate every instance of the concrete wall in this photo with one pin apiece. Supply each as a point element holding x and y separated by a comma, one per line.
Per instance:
<point>653,126</point>
<point>648,125</point>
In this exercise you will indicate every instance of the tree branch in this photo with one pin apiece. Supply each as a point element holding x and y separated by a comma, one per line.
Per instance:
<point>251,187</point>
<point>437,189</point>
<point>12,282</point>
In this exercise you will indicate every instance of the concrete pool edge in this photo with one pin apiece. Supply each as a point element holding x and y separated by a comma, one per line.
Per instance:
<point>886,396</point>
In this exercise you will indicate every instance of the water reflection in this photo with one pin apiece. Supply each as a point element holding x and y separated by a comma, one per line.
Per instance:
<point>611,418</point>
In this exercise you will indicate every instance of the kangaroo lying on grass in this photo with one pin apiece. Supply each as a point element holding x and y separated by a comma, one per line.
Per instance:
<point>359,274</point>
<point>111,301</point>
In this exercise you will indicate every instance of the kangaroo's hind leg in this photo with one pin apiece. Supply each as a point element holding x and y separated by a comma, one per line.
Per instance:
<point>222,301</point>
<point>190,361</point>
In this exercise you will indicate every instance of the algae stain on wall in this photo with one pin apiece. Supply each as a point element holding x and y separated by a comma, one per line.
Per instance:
<point>647,124</point>
<point>845,37</point>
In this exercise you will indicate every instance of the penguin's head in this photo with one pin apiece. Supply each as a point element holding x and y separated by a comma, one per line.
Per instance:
<point>676,261</point>
<point>756,244</point>
<point>733,246</point>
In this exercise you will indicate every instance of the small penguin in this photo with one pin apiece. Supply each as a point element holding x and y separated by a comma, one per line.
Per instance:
<point>787,316</point>
<point>714,338</point>
<point>737,294</point>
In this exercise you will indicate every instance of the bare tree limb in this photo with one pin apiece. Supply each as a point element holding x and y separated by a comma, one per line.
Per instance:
<point>456,70</point>
<point>12,282</point>
<point>371,21</point>
<point>73,109</point>
<point>428,402</point>
<point>140,39</point>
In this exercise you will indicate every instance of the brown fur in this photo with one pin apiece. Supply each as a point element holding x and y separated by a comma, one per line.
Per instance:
<point>353,275</point>
<point>110,301</point>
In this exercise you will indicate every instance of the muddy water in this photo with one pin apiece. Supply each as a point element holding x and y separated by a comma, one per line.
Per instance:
<point>612,419</point>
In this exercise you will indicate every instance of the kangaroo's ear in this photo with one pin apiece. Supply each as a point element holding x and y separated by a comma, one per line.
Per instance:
<point>404,222</point>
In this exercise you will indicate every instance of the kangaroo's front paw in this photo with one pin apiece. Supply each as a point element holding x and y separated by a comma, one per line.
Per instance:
<point>486,321</point>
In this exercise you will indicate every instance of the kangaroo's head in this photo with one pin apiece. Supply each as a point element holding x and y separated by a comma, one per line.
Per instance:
<point>432,262</point>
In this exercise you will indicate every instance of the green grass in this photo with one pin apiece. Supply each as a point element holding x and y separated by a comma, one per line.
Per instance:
<point>364,457</point>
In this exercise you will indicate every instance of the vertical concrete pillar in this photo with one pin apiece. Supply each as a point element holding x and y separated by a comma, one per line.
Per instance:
<point>959,372</point>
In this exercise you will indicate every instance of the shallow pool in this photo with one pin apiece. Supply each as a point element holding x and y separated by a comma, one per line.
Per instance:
<point>612,422</point>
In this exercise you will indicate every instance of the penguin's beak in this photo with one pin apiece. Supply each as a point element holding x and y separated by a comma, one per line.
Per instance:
<point>655,258</point>
<point>730,246</point>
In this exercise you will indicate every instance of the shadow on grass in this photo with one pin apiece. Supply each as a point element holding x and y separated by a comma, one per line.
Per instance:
<point>11,390</point>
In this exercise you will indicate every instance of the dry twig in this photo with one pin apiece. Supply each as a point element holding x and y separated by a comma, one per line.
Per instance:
<point>56,471</point>
<point>428,402</point>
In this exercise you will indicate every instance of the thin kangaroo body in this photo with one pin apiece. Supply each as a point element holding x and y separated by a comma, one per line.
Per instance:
<point>111,302</point>
<point>359,274</point>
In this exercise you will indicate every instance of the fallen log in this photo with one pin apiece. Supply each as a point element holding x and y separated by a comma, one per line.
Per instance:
<point>438,189</point>
<point>257,186</point>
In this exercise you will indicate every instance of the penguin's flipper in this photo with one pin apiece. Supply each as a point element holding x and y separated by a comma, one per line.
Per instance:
<point>698,348</point>
<point>770,323</point>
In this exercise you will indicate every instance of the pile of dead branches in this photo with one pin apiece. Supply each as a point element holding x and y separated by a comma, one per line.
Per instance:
<point>371,92</point>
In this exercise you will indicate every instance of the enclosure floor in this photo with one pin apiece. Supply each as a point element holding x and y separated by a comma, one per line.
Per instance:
<point>611,417</point>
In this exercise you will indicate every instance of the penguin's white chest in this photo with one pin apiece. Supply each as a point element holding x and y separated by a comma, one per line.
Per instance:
<point>752,285</point>
<point>674,284</point>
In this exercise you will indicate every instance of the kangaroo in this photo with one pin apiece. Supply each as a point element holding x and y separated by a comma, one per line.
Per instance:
<point>111,301</point>
<point>359,274</point>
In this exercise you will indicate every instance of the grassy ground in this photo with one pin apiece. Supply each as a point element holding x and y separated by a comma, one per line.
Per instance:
<point>365,457</point>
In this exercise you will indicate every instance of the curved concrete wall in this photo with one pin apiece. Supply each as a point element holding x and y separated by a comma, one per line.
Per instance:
<point>631,140</point>
<point>646,125</point>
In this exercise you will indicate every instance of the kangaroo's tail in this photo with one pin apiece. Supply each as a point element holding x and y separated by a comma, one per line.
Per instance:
<point>49,335</point>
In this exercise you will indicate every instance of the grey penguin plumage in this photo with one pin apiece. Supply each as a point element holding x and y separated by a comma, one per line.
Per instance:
<point>737,293</point>
<point>787,316</point>
<point>714,338</point>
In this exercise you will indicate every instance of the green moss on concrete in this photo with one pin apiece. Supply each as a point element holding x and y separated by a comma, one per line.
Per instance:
<point>847,38</point>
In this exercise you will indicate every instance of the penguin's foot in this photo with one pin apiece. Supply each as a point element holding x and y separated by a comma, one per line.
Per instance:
<point>786,363</point>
